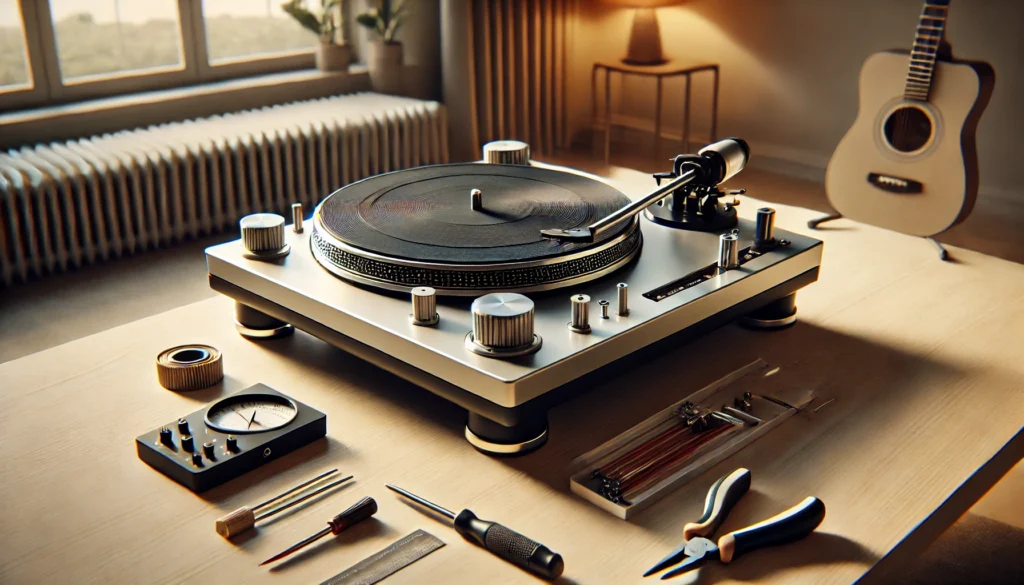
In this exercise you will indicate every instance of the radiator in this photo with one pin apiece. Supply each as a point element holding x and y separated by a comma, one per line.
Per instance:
<point>519,70</point>
<point>68,204</point>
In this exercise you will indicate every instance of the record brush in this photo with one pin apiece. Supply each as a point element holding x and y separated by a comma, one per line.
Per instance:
<point>245,518</point>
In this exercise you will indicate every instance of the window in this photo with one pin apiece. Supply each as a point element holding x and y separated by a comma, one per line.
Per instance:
<point>54,51</point>
<point>243,28</point>
<point>14,71</point>
<point>111,37</point>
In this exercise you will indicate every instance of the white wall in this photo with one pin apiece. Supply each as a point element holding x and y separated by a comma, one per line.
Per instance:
<point>790,69</point>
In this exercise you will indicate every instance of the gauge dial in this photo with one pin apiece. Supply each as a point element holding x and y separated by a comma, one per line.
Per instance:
<point>251,413</point>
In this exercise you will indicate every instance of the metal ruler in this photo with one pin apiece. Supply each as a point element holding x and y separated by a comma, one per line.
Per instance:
<point>389,560</point>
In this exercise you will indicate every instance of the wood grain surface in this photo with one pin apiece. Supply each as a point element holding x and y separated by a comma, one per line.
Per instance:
<point>924,359</point>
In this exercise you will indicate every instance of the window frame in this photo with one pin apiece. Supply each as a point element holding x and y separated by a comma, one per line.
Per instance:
<point>49,88</point>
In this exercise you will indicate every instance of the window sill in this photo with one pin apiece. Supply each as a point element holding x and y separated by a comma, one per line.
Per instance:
<point>154,107</point>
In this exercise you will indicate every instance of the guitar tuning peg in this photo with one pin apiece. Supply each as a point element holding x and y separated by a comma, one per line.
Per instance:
<point>737,192</point>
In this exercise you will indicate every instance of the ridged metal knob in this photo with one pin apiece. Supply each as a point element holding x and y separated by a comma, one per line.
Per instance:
<point>507,152</point>
<point>502,326</point>
<point>263,236</point>
<point>580,322</point>
<point>424,306</point>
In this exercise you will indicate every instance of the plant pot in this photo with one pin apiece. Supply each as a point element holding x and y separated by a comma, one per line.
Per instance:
<point>385,65</point>
<point>332,57</point>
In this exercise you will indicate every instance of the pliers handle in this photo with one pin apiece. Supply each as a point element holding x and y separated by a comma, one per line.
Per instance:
<point>721,499</point>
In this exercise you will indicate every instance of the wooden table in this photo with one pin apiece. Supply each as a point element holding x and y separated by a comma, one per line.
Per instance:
<point>924,359</point>
<point>659,73</point>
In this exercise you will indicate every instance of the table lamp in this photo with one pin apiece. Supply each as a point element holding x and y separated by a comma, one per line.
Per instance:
<point>645,38</point>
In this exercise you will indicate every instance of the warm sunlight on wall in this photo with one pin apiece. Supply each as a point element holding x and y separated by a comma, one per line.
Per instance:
<point>790,71</point>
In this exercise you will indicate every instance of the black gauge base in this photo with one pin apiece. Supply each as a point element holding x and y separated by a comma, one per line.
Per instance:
<point>203,467</point>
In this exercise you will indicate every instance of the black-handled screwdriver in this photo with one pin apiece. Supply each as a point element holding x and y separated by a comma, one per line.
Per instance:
<point>507,544</point>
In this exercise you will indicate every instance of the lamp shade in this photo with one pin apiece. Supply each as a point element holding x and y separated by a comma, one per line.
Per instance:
<point>645,38</point>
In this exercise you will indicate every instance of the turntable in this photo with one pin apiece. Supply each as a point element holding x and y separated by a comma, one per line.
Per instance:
<point>505,285</point>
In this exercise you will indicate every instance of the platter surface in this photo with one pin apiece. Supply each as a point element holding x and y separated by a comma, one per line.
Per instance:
<point>417,227</point>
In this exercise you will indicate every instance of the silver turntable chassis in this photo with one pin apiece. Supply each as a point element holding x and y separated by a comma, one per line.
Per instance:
<point>675,295</point>
<point>524,427</point>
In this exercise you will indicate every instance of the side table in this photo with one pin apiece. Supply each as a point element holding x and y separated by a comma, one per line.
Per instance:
<point>659,72</point>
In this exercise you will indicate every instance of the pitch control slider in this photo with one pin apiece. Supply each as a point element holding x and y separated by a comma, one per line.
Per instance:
<point>714,164</point>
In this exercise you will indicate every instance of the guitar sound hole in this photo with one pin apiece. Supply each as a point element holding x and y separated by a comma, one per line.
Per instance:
<point>908,129</point>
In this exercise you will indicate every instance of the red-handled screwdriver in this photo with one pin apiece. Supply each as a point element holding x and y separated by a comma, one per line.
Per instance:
<point>360,511</point>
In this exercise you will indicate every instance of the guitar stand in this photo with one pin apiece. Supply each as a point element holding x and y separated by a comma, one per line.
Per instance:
<point>814,223</point>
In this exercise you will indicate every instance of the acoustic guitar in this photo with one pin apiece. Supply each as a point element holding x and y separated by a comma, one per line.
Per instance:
<point>908,163</point>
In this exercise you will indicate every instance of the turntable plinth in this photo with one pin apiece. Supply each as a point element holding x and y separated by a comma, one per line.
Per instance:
<point>391,233</point>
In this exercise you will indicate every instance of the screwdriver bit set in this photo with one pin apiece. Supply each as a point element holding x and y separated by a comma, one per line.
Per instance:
<point>640,466</point>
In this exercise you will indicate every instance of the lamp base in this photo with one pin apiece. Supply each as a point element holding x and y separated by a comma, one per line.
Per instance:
<point>645,40</point>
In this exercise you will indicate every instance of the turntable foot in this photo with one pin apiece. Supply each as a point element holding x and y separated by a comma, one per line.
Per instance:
<point>256,325</point>
<point>775,315</point>
<point>496,439</point>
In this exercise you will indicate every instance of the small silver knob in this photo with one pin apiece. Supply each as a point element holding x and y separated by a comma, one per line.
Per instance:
<point>604,308</point>
<point>424,306</point>
<point>502,326</point>
<point>580,314</point>
<point>263,236</point>
<point>728,251</point>
<point>476,199</point>
<point>507,152</point>
<point>622,300</point>
<point>297,217</point>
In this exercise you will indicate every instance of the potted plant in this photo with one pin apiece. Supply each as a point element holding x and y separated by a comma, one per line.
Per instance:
<point>385,53</point>
<point>324,23</point>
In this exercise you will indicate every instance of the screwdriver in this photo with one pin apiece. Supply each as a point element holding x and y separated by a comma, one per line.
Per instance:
<point>359,511</point>
<point>507,544</point>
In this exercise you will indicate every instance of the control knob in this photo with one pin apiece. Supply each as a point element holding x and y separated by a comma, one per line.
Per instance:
<point>507,152</point>
<point>580,322</point>
<point>764,230</point>
<point>263,236</point>
<point>424,306</point>
<point>502,326</point>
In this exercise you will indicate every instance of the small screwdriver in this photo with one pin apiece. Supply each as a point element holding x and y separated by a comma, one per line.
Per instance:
<point>359,511</point>
<point>507,544</point>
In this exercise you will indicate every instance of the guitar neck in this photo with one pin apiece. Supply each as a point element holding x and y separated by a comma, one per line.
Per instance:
<point>927,38</point>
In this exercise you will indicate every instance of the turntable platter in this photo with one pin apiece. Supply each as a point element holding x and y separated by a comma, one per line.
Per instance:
<point>417,227</point>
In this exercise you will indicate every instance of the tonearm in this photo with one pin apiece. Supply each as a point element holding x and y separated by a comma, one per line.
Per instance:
<point>712,165</point>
